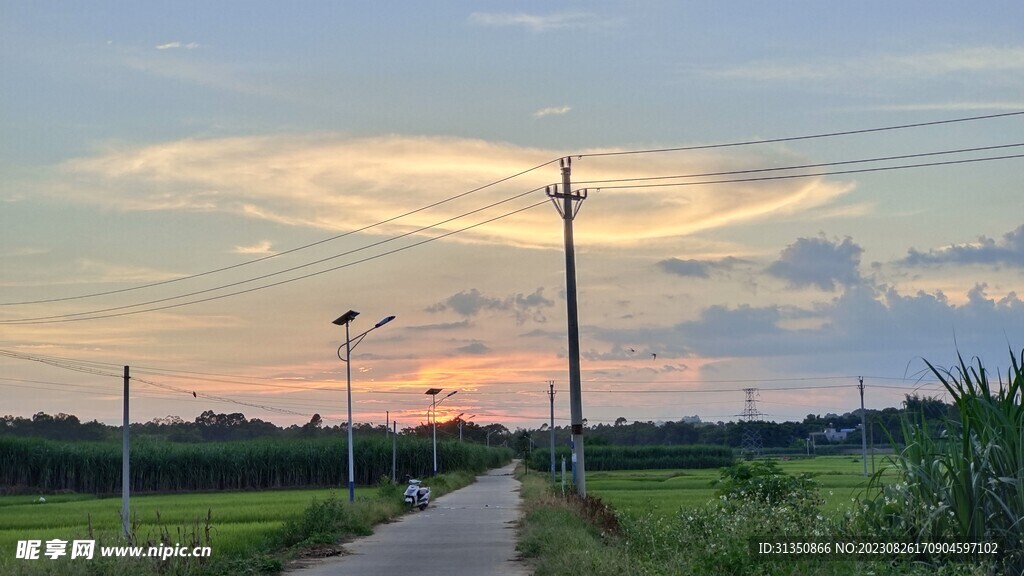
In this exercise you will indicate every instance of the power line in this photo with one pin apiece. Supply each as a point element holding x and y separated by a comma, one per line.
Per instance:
<point>76,366</point>
<point>241,379</point>
<point>69,318</point>
<point>796,138</point>
<point>278,273</point>
<point>101,313</point>
<point>816,174</point>
<point>805,166</point>
<point>526,171</point>
<point>289,251</point>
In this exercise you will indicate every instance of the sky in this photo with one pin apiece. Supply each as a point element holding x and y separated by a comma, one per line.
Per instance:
<point>196,190</point>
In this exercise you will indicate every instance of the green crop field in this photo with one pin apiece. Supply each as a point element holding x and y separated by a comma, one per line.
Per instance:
<point>240,521</point>
<point>665,491</point>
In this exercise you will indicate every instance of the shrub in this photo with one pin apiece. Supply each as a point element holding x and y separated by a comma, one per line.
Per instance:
<point>965,482</point>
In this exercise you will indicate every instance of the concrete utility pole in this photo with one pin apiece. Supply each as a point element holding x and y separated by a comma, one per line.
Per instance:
<point>551,394</point>
<point>394,449</point>
<point>570,205</point>
<point>863,428</point>
<point>125,462</point>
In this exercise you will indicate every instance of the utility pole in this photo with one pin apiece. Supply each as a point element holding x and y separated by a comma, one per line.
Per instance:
<point>551,394</point>
<point>125,470</point>
<point>863,428</point>
<point>571,202</point>
<point>394,450</point>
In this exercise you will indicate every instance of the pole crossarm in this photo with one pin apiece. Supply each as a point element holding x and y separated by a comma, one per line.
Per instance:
<point>577,197</point>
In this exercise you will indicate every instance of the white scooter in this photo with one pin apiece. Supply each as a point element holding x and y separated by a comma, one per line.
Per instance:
<point>417,495</point>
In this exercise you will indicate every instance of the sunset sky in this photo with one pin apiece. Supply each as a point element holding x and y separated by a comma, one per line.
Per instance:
<point>198,189</point>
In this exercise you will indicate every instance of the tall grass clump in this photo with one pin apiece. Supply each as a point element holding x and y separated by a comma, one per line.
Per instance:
<point>965,481</point>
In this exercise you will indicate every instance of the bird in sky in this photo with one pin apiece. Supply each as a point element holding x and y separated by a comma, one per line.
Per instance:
<point>654,355</point>
<point>194,395</point>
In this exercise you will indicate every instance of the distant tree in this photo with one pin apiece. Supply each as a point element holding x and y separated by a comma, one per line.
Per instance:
<point>312,428</point>
<point>932,408</point>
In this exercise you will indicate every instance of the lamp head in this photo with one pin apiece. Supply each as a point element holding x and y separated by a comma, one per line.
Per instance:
<point>346,318</point>
<point>384,321</point>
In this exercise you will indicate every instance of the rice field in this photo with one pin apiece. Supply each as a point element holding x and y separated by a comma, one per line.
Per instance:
<point>240,521</point>
<point>666,491</point>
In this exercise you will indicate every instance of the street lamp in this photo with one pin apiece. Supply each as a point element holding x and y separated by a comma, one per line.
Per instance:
<point>461,422</point>
<point>433,392</point>
<point>350,343</point>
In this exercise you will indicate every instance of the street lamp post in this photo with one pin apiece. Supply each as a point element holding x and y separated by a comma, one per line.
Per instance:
<point>461,422</point>
<point>433,392</point>
<point>350,343</point>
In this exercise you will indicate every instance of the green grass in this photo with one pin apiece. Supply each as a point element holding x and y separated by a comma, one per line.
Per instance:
<point>244,525</point>
<point>241,521</point>
<point>647,536</point>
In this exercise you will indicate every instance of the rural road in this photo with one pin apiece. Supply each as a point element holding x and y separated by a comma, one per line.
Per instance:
<point>471,531</point>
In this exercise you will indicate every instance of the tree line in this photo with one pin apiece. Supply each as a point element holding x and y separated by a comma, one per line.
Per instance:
<point>211,426</point>
<point>883,430</point>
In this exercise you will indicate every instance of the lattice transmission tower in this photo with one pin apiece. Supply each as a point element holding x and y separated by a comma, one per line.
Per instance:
<point>751,445</point>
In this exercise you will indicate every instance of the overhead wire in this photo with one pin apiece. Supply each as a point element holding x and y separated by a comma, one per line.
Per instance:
<point>291,250</point>
<point>804,166</point>
<point>815,174</point>
<point>508,178</point>
<point>272,274</point>
<point>68,317</point>
<point>798,138</point>
<point>102,313</point>
<point>76,366</point>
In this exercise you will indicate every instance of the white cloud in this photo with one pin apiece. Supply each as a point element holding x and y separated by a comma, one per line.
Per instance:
<point>960,61</point>
<point>335,183</point>
<point>175,45</point>
<point>260,248</point>
<point>534,22</point>
<point>552,111</point>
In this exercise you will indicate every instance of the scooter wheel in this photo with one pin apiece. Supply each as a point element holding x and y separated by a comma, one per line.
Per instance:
<point>423,506</point>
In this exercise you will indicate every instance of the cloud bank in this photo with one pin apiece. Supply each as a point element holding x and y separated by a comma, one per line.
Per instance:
<point>524,307</point>
<point>335,183</point>
<point>819,262</point>
<point>1009,251</point>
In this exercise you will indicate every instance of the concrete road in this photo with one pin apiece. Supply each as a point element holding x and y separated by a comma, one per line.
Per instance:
<point>471,531</point>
